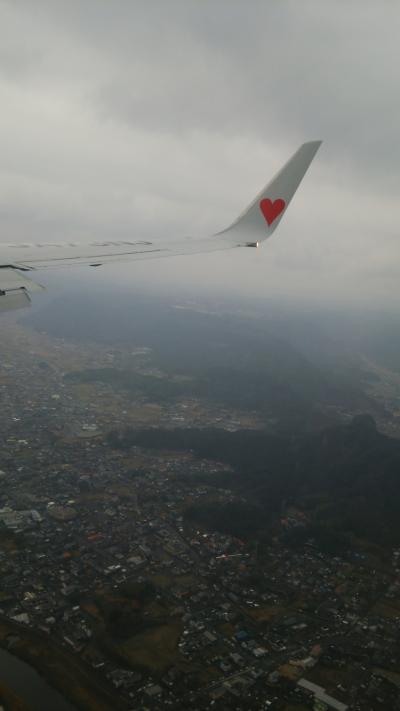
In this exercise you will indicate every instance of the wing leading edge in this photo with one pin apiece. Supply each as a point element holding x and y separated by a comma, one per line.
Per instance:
<point>253,226</point>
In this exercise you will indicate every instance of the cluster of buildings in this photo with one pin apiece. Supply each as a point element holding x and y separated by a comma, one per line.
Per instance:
<point>258,626</point>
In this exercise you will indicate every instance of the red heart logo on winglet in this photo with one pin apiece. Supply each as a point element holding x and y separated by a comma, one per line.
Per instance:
<point>271,210</point>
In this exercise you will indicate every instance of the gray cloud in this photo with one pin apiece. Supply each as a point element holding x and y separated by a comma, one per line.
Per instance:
<point>164,119</point>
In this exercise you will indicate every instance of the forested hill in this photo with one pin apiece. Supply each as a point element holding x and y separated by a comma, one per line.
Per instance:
<point>347,477</point>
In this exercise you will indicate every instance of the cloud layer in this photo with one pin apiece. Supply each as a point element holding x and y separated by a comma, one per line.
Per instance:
<point>160,119</point>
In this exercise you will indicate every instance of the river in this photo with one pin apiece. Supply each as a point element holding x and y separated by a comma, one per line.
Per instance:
<point>29,686</point>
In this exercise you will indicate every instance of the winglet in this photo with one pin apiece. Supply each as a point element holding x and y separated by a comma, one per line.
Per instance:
<point>259,220</point>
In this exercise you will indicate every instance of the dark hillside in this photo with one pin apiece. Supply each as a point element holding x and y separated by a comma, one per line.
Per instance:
<point>346,477</point>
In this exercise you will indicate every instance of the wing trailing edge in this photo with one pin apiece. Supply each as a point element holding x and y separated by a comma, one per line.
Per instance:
<point>14,288</point>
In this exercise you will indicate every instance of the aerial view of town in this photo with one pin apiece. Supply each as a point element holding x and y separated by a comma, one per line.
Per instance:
<point>133,574</point>
<point>199,355</point>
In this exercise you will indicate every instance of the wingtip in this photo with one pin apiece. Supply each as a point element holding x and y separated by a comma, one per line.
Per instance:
<point>315,143</point>
<point>310,148</point>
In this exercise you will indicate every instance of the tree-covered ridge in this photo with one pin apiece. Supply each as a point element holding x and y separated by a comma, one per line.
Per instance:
<point>347,478</point>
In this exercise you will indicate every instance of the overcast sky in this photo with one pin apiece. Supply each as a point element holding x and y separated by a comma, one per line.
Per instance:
<point>152,119</point>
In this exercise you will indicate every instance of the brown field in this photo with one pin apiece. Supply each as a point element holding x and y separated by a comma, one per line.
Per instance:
<point>227,629</point>
<point>8,542</point>
<point>10,700</point>
<point>387,608</point>
<point>290,672</point>
<point>167,581</point>
<point>267,613</point>
<point>328,678</point>
<point>155,650</point>
<point>391,676</point>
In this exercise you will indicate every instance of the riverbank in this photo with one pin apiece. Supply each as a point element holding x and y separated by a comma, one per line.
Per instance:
<point>81,685</point>
<point>23,689</point>
<point>10,700</point>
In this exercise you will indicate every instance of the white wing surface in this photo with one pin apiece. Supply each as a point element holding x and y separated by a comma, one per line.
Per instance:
<point>252,227</point>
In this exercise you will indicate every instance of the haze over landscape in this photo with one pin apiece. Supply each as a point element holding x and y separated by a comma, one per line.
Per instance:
<point>200,456</point>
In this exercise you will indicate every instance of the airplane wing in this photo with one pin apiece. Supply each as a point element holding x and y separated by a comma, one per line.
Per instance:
<point>252,227</point>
